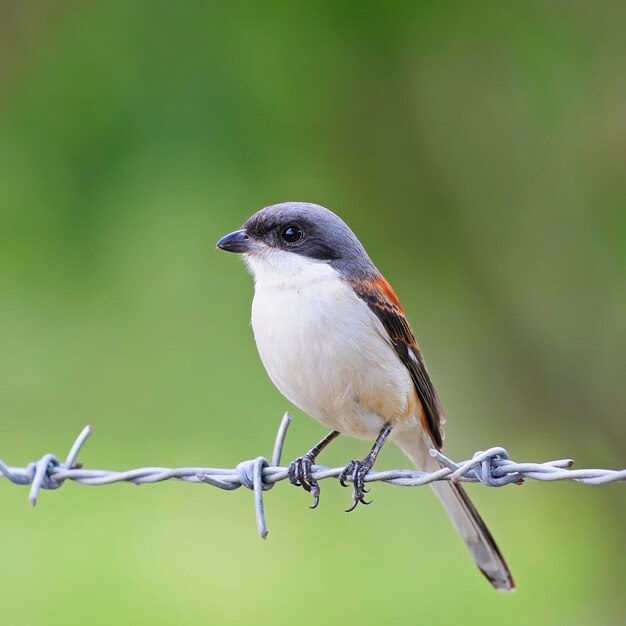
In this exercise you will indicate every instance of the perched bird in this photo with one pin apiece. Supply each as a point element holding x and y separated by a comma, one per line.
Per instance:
<point>334,340</point>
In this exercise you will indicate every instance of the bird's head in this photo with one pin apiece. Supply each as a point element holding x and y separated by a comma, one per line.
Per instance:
<point>294,237</point>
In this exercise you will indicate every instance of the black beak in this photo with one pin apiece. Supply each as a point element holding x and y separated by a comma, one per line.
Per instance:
<point>239,241</point>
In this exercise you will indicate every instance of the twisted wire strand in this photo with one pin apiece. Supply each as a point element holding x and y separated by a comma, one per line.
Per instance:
<point>490,467</point>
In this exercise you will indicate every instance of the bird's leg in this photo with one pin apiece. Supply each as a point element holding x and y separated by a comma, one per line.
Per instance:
<point>300,469</point>
<point>355,471</point>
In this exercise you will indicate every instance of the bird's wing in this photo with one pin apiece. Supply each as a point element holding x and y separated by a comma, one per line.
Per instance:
<point>381,299</point>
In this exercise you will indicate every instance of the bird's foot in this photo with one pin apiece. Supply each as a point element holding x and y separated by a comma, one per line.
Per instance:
<point>299,474</point>
<point>355,473</point>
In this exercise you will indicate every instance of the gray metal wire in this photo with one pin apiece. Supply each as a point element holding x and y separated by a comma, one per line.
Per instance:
<point>490,467</point>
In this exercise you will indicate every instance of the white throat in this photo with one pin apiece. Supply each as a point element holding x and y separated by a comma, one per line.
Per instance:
<point>274,268</point>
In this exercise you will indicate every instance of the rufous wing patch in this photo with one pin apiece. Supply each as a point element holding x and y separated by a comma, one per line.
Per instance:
<point>380,297</point>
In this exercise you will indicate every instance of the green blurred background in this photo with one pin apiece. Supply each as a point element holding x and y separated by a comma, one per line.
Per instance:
<point>478,151</point>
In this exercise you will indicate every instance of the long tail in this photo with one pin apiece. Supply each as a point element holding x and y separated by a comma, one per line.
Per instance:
<point>463,514</point>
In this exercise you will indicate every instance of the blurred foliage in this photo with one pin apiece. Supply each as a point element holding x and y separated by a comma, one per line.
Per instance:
<point>477,149</point>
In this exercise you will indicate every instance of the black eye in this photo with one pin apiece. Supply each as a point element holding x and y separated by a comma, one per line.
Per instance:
<point>291,234</point>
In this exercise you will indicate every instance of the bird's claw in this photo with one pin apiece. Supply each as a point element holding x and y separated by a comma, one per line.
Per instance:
<point>355,473</point>
<point>299,474</point>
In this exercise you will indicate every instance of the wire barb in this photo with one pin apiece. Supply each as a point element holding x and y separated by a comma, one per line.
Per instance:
<point>491,467</point>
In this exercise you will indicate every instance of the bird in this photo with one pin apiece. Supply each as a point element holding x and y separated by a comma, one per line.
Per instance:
<point>335,341</point>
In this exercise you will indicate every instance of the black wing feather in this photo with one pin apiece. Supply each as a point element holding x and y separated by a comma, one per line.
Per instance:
<point>381,299</point>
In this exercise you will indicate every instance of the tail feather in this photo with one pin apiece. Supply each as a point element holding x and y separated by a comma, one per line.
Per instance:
<point>463,515</point>
<point>470,525</point>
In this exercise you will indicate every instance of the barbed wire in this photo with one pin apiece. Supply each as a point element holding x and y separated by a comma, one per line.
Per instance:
<point>491,467</point>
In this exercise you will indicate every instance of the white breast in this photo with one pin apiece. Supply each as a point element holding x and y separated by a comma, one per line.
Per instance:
<point>324,349</point>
